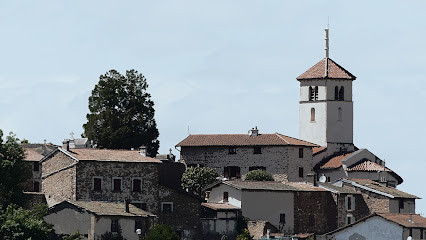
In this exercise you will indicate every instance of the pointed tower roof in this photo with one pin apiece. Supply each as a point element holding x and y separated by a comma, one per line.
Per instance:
<point>326,69</point>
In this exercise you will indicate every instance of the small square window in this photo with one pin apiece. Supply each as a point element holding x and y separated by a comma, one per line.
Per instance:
<point>97,184</point>
<point>137,185</point>
<point>301,172</point>
<point>36,167</point>
<point>36,186</point>
<point>232,150</point>
<point>282,218</point>
<point>300,152</point>
<point>257,150</point>
<point>114,225</point>
<point>166,207</point>
<point>116,184</point>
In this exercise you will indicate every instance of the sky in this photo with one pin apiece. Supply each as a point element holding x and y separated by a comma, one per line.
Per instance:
<point>219,67</point>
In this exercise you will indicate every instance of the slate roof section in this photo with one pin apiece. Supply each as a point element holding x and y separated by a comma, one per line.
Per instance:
<point>326,69</point>
<point>220,206</point>
<point>274,139</point>
<point>91,154</point>
<point>377,187</point>
<point>108,208</point>
<point>335,162</point>
<point>405,219</point>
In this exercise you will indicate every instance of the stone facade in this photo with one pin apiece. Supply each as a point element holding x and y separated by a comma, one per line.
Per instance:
<point>359,210</point>
<point>282,162</point>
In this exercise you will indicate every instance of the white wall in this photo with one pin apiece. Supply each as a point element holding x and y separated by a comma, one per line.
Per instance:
<point>374,228</point>
<point>234,195</point>
<point>313,131</point>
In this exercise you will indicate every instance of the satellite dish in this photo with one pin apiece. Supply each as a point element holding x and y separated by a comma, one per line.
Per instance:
<point>323,179</point>
<point>409,238</point>
<point>138,231</point>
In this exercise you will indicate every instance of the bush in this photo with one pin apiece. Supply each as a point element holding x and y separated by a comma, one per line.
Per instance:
<point>245,235</point>
<point>258,175</point>
<point>196,178</point>
<point>161,232</point>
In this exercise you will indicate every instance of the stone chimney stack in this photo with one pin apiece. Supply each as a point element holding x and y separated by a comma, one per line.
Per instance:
<point>126,205</point>
<point>66,144</point>
<point>253,132</point>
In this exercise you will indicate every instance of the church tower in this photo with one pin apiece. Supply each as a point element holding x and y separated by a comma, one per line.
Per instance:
<point>326,107</point>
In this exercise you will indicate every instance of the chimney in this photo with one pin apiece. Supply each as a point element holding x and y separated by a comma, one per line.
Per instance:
<point>126,205</point>
<point>143,150</point>
<point>66,144</point>
<point>253,132</point>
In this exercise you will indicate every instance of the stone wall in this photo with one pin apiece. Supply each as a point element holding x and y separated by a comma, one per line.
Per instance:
<point>314,212</point>
<point>281,161</point>
<point>361,208</point>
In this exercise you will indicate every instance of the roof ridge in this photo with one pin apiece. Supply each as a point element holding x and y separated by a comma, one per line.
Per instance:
<point>281,138</point>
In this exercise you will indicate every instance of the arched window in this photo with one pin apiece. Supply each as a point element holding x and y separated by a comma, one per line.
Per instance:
<point>339,114</point>
<point>316,93</point>
<point>341,94</point>
<point>311,94</point>
<point>312,114</point>
<point>336,93</point>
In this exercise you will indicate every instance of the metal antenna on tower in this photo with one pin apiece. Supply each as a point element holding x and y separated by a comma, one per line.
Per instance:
<point>326,43</point>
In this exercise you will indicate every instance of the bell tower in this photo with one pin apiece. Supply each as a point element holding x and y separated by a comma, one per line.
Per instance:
<point>326,107</point>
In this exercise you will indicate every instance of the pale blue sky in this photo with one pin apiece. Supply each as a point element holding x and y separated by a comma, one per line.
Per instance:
<point>219,67</point>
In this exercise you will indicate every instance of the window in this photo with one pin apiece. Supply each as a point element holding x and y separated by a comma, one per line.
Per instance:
<point>136,184</point>
<point>138,225</point>
<point>328,179</point>
<point>97,184</point>
<point>257,168</point>
<point>300,152</point>
<point>225,196</point>
<point>339,114</point>
<point>336,93</point>
<point>257,150</point>
<point>231,172</point>
<point>232,150</point>
<point>36,167</point>
<point>166,207</point>
<point>312,114</point>
<point>114,225</point>
<point>311,94</point>
<point>282,218</point>
<point>301,172</point>
<point>350,202</point>
<point>341,94</point>
<point>401,203</point>
<point>36,186</point>
<point>349,219</point>
<point>316,93</point>
<point>116,184</point>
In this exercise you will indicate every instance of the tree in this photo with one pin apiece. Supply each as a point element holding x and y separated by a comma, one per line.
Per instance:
<point>14,172</point>
<point>196,178</point>
<point>18,223</point>
<point>161,232</point>
<point>113,236</point>
<point>122,113</point>
<point>245,235</point>
<point>258,175</point>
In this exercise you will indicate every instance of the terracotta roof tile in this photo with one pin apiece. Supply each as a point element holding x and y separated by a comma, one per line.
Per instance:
<point>336,161</point>
<point>368,166</point>
<point>334,71</point>
<point>275,139</point>
<point>110,155</point>
<point>220,206</point>
<point>32,155</point>
<point>382,188</point>
<point>405,219</point>
<point>316,150</point>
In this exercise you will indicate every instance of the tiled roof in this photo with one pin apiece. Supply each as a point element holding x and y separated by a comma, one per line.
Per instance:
<point>337,189</point>
<point>275,139</point>
<point>111,209</point>
<point>381,188</point>
<point>336,161</point>
<point>220,206</point>
<point>32,155</point>
<point>368,166</point>
<point>405,219</point>
<point>271,186</point>
<point>92,154</point>
<point>316,150</point>
<point>333,71</point>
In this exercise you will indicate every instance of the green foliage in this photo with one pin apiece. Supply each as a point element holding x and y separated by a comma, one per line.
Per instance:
<point>75,236</point>
<point>245,235</point>
<point>19,224</point>
<point>161,232</point>
<point>258,175</point>
<point>14,172</point>
<point>113,236</point>
<point>196,178</point>
<point>122,113</point>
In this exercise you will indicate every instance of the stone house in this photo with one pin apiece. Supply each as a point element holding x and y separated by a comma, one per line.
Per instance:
<point>113,175</point>
<point>93,219</point>
<point>291,207</point>
<point>233,155</point>
<point>359,164</point>
<point>382,226</point>
<point>380,198</point>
